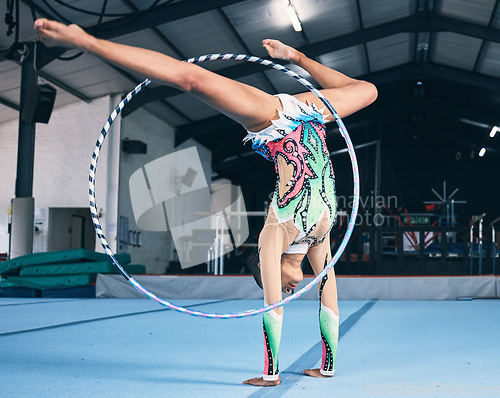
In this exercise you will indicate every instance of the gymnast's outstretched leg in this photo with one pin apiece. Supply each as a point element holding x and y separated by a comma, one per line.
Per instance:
<point>319,256</point>
<point>247,105</point>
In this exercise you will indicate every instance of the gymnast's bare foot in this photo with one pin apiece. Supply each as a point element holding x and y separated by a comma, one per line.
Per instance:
<point>53,33</point>
<point>314,373</point>
<point>277,49</point>
<point>259,381</point>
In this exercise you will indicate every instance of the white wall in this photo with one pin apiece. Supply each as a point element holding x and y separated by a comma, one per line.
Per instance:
<point>8,159</point>
<point>63,150</point>
<point>160,139</point>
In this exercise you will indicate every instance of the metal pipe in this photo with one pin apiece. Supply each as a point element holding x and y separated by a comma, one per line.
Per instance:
<point>447,204</point>
<point>221,245</point>
<point>360,146</point>
<point>493,249</point>
<point>471,246</point>
<point>453,212</point>
<point>216,246</point>
<point>480,246</point>
<point>221,268</point>
<point>475,219</point>
<point>438,195</point>
<point>210,259</point>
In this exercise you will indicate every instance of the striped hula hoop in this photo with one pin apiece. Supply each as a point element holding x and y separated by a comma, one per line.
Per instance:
<point>146,292</point>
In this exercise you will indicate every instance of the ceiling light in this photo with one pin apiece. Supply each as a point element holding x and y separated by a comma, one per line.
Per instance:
<point>493,131</point>
<point>297,26</point>
<point>474,123</point>
<point>482,152</point>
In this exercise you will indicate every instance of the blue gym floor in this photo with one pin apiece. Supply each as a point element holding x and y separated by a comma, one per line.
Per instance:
<point>134,347</point>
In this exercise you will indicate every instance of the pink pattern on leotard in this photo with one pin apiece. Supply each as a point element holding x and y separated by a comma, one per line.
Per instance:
<point>294,152</point>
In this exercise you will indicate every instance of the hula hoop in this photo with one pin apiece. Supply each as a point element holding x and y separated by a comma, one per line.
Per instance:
<point>146,292</point>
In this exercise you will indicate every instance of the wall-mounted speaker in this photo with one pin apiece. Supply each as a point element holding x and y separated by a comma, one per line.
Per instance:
<point>134,146</point>
<point>39,103</point>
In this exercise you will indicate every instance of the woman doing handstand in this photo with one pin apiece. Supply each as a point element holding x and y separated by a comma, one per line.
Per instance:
<point>290,131</point>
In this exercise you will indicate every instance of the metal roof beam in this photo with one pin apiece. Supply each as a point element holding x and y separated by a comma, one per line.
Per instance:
<point>447,111</point>
<point>434,71</point>
<point>156,32</point>
<point>439,23</point>
<point>423,22</point>
<point>202,127</point>
<point>414,23</point>
<point>9,104</point>
<point>159,15</point>
<point>64,86</point>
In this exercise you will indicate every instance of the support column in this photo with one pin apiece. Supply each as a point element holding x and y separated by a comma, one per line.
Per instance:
<point>111,211</point>
<point>21,232</point>
<point>23,209</point>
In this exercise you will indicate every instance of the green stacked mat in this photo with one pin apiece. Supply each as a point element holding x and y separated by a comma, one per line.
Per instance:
<point>61,269</point>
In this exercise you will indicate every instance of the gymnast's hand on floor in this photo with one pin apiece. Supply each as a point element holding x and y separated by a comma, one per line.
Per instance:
<point>314,373</point>
<point>56,34</point>
<point>277,49</point>
<point>259,381</point>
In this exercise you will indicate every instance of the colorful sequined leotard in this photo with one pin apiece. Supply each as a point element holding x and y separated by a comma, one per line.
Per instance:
<point>295,142</point>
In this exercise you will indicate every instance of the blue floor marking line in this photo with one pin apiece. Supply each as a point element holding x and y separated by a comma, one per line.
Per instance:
<point>43,302</point>
<point>62,325</point>
<point>307,360</point>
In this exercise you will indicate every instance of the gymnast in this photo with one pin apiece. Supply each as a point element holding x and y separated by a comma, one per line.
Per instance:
<point>289,131</point>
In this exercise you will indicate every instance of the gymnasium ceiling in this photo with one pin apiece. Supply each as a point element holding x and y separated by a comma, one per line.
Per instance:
<point>436,64</point>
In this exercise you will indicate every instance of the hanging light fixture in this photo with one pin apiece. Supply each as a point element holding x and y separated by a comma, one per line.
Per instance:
<point>294,18</point>
<point>493,131</point>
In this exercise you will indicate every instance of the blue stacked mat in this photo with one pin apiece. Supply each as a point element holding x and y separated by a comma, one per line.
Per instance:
<point>60,270</point>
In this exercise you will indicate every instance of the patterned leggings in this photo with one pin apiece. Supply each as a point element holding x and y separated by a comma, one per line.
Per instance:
<point>328,322</point>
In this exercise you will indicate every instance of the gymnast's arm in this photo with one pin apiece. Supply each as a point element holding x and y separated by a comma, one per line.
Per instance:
<point>347,95</point>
